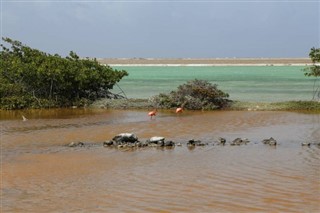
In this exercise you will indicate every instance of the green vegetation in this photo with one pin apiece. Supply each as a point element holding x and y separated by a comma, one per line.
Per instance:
<point>194,95</point>
<point>30,78</point>
<point>281,106</point>
<point>314,71</point>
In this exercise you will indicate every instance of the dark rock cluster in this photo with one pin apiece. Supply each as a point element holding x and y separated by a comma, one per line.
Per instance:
<point>130,140</point>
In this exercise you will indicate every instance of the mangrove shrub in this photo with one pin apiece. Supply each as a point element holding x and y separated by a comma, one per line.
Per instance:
<point>194,95</point>
<point>32,78</point>
<point>314,70</point>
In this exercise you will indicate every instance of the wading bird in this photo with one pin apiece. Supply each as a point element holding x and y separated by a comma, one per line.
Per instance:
<point>24,118</point>
<point>152,113</point>
<point>179,110</point>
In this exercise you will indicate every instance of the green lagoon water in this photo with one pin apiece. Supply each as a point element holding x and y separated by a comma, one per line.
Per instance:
<point>245,83</point>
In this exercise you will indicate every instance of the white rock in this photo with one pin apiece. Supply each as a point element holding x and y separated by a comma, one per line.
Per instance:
<point>128,135</point>
<point>156,138</point>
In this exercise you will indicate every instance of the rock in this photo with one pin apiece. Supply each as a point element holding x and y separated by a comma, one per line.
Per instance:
<point>141,144</point>
<point>236,141</point>
<point>126,137</point>
<point>306,144</point>
<point>221,141</point>
<point>156,139</point>
<point>179,144</point>
<point>131,145</point>
<point>108,143</point>
<point>159,143</point>
<point>169,143</point>
<point>121,146</point>
<point>193,142</point>
<point>163,144</point>
<point>201,144</point>
<point>271,141</point>
<point>239,141</point>
<point>76,144</point>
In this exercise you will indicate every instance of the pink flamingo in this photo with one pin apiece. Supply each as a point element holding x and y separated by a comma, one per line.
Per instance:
<point>152,113</point>
<point>179,110</point>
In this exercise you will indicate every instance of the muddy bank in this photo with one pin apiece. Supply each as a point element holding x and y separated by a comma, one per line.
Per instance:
<point>235,105</point>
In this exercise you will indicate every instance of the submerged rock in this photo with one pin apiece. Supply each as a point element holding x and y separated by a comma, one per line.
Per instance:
<point>130,140</point>
<point>169,143</point>
<point>239,141</point>
<point>306,144</point>
<point>221,141</point>
<point>76,144</point>
<point>108,143</point>
<point>271,141</point>
<point>193,142</point>
<point>121,146</point>
<point>141,144</point>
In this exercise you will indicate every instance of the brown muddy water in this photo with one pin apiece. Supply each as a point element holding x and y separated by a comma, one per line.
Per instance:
<point>40,174</point>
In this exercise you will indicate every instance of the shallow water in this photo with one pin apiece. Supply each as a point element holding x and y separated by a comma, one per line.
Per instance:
<point>246,83</point>
<point>40,174</point>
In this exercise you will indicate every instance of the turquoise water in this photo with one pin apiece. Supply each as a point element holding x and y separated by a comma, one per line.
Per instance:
<point>246,83</point>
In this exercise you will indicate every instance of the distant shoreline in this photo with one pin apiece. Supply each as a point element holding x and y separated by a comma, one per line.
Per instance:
<point>206,62</point>
<point>201,65</point>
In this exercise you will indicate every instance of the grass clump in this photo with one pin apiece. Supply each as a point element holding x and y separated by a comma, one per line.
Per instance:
<point>280,106</point>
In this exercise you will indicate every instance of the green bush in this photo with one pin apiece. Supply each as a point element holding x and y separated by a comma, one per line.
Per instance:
<point>32,78</point>
<point>194,95</point>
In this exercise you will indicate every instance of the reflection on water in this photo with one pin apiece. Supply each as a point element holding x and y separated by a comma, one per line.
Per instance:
<point>40,174</point>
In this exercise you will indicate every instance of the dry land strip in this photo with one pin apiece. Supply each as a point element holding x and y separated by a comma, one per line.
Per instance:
<point>206,62</point>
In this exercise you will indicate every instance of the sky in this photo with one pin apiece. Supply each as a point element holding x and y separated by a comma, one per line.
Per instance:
<point>165,29</point>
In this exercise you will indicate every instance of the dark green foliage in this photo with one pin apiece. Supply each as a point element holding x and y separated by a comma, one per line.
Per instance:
<point>31,78</point>
<point>313,70</point>
<point>195,95</point>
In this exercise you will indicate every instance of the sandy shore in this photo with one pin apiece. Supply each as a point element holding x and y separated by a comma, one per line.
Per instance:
<point>206,62</point>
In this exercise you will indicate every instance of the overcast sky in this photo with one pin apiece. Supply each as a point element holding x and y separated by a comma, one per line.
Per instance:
<point>165,29</point>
